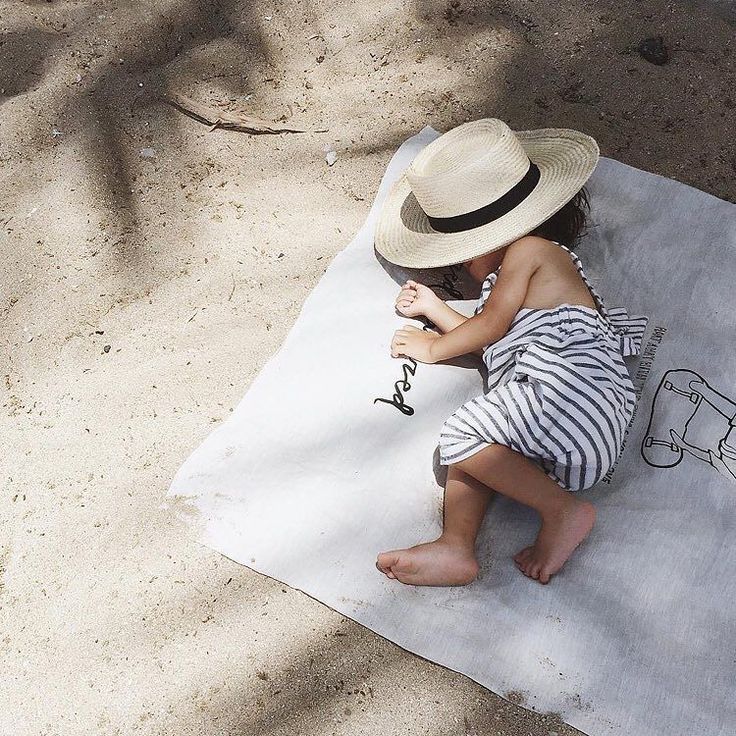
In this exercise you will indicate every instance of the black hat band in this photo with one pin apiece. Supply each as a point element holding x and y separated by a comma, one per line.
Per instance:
<point>490,212</point>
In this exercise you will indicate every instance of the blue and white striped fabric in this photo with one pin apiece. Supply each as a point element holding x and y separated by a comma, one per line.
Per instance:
<point>559,391</point>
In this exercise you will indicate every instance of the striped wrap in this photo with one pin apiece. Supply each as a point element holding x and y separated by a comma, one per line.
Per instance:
<point>558,391</point>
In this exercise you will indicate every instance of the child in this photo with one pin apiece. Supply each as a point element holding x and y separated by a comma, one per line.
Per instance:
<point>559,395</point>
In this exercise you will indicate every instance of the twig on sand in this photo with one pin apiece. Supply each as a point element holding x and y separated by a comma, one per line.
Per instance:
<point>223,119</point>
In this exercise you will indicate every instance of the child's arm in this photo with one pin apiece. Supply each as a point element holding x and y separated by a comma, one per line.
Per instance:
<point>417,300</point>
<point>446,319</point>
<point>493,321</point>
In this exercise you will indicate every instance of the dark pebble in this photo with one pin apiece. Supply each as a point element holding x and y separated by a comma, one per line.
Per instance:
<point>654,50</point>
<point>106,349</point>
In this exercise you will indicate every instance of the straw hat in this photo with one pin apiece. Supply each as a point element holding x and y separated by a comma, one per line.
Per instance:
<point>479,187</point>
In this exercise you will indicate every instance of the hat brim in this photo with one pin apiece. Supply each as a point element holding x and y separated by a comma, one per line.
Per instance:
<point>566,159</point>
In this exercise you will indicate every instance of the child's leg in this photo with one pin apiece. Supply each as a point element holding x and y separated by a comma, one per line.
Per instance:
<point>566,520</point>
<point>450,559</point>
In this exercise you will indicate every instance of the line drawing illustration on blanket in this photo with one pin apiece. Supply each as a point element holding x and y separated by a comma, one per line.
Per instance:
<point>686,407</point>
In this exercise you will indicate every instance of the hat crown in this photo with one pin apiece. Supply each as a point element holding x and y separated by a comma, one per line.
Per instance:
<point>467,168</point>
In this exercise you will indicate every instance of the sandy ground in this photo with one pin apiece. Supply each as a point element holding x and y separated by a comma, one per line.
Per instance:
<point>140,296</point>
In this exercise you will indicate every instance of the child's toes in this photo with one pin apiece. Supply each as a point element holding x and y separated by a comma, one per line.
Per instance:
<point>526,568</point>
<point>385,561</point>
<point>544,576</point>
<point>386,571</point>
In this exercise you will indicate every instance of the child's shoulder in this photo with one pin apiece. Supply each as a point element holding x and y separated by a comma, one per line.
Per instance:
<point>530,248</point>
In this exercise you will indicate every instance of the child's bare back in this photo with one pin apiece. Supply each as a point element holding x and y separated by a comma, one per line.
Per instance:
<point>556,280</point>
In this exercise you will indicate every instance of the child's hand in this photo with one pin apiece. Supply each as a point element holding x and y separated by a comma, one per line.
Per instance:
<point>416,300</point>
<point>413,343</point>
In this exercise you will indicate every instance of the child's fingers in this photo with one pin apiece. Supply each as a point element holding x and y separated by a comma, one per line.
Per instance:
<point>396,348</point>
<point>408,298</point>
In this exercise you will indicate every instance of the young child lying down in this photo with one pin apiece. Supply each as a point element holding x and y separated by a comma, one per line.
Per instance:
<point>558,402</point>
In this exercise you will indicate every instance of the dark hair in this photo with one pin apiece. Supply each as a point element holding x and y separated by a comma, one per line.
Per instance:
<point>568,224</point>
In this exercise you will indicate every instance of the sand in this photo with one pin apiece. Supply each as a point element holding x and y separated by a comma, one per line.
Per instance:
<point>151,267</point>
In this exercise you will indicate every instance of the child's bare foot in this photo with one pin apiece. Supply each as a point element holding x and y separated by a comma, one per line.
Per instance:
<point>560,534</point>
<point>433,563</point>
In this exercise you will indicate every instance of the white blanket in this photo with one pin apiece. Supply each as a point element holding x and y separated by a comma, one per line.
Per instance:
<point>331,457</point>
